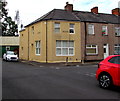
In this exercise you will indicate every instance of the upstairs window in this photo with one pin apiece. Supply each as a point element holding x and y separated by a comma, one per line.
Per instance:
<point>90,29</point>
<point>104,30</point>
<point>57,27</point>
<point>117,31</point>
<point>71,28</point>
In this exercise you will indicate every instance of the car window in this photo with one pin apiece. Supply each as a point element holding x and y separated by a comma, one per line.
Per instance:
<point>115,60</point>
<point>10,53</point>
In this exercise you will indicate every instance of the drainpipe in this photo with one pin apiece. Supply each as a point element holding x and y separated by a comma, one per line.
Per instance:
<point>84,57</point>
<point>28,43</point>
<point>46,42</point>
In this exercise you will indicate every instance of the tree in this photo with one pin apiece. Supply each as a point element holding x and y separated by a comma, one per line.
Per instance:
<point>9,28</point>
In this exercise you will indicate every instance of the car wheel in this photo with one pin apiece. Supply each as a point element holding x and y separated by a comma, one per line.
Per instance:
<point>105,81</point>
<point>6,59</point>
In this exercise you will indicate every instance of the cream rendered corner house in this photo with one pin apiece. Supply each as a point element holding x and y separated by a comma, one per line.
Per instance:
<point>55,37</point>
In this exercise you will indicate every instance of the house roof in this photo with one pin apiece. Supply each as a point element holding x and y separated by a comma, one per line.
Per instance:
<point>59,14</point>
<point>97,18</point>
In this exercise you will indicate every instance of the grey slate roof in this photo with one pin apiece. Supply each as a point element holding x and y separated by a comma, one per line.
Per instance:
<point>97,18</point>
<point>58,14</point>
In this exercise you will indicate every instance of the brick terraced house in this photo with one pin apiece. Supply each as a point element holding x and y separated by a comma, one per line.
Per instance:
<point>71,36</point>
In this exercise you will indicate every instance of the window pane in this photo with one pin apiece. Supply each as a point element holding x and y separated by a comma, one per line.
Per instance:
<point>71,51</point>
<point>104,30</point>
<point>57,25</point>
<point>64,51</point>
<point>71,31</point>
<point>94,46</point>
<point>90,29</point>
<point>91,51</point>
<point>37,47</point>
<point>64,47</point>
<point>71,25</point>
<point>58,43</point>
<point>71,44</point>
<point>58,51</point>
<point>117,49</point>
<point>57,30</point>
<point>64,43</point>
<point>117,31</point>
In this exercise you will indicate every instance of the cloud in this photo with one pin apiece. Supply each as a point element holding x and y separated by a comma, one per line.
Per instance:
<point>30,10</point>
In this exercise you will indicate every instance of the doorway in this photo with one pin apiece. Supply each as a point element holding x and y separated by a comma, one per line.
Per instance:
<point>106,50</point>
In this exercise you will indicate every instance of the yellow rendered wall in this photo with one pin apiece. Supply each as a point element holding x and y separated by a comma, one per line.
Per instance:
<point>39,35</point>
<point>23,48</point>
<point>40,30</point>
<point>63,35</point>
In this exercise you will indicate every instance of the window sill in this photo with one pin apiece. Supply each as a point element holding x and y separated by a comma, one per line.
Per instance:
<point>91,54</point>
<point>105,35</point>
<point>64,55</point>
<point>117,35</point>
<point>37,54</point>
<point>71,33</point>
<point>92,34</point>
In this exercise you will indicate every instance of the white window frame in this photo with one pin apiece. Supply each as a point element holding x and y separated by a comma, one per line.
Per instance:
<point>37,47</point>
<point>92,47</point>
<point>117,31</point>
<point>91,29</point>
<point>72,28</point>
<point>68,47</point>
<point>116,46</point>
<point>57,27</point>
<point>104,28</point>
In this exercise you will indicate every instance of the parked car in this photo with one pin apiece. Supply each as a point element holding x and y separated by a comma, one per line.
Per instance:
<point>108,72</point>
<point>10,56</point>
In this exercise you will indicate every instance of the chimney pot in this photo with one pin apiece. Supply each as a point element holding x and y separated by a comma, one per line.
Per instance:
<point>94,10</point>
<point>67,3</point>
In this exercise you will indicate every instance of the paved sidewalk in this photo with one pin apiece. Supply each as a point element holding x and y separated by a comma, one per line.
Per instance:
<point>34,63</point>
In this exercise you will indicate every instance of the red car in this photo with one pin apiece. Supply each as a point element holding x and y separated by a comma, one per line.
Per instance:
<point>108,72</point>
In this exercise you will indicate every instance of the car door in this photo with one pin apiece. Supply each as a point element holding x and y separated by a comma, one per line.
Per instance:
<point>114,64</point>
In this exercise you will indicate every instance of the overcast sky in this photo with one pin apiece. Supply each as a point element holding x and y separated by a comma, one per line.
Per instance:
<point>30,10</point>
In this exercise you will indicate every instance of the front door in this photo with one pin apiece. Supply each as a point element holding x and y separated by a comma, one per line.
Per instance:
<point>106,50</point>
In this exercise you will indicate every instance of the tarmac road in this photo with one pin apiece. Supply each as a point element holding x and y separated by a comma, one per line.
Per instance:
<point>49,81</point>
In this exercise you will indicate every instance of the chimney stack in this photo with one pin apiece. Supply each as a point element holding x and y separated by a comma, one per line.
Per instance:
<point>116,11</point>
<point>69,7</point>
<point>94,10</point>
